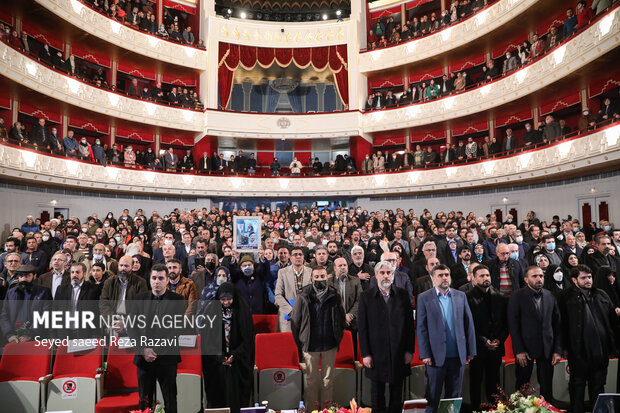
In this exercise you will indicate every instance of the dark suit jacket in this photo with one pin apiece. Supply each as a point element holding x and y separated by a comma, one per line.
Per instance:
<point>401,280</point>
<point>172,304</point>
<point>171,161</point>
<point>515,270</point>
<point>386,345</point>
<point>530,334</point>
<point>422,284</point>
<point>88,300</point>
<point>353,290</point>
<point>431,331</point>
<point>204,164</point>
<point>490,321</point>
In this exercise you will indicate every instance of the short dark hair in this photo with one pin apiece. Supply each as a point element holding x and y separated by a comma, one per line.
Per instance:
<point>159,268</point>
<point>479,268</point>
<point>81,265</point>
<point>439,267</point>
<point>548,236</point>
<point>577,269</point>
<point>297,249</point>
<point>317,269</point>
<point>532,268</point>
<point>73,237</point>
<point>463,248</point>
<point>174,261</point>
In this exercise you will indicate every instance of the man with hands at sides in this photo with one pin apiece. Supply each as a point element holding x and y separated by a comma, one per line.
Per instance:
<point>446,337</point>
<point>386,352</point>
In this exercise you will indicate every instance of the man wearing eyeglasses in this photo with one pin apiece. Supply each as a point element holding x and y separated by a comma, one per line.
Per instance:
<point>12,262</point>
<point>291,280</point>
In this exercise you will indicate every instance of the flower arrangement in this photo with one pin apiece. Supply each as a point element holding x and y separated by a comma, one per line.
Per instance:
<point>522,401</point>
<point>332,407</point>
<point>158,409</point>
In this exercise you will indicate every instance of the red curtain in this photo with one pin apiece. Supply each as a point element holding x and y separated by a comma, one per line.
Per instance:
<point>230,56</point>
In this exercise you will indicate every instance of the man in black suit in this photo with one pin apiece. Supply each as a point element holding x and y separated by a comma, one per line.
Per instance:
<point>488,308</point>
<point>39,135</point>
<point>425,282</point>
<point>386,352</point>
<point>78,296</point>
<point>534,325</point>
<point>157,363</point>
<point>601,256</point>
<point>204,164</point>
<point>461,268</point>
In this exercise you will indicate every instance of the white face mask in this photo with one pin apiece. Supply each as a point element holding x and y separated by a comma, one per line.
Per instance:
<point>45,238</point>
<point>221,280</point>
<point>558,276</point>
<point>167,242</point>
<point>106,225</point>
<point>97,256</point>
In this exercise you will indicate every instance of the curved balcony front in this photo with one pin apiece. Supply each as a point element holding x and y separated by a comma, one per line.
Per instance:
<point>582,154</point>
<point>29,73</point>
<point>600,38</point>
<point>450,38</point>
<point>112,31</point>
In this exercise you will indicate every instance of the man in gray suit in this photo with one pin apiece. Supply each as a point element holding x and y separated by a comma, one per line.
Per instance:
<point>171,160</point>
<point>291,280</point>
<point>446,337</point>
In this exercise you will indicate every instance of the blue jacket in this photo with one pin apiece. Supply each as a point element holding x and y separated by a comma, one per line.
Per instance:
<point>37,258</point>
<point>431,332</point>
<point>70,144</point>
<point>25,228</point>
<point>40,300</point>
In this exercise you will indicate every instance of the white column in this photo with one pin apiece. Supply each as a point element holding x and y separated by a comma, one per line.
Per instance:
<point>208,78</point>
<point>357,38</point>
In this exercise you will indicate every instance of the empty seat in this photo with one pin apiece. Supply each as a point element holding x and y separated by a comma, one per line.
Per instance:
<point>24,369</point>
<point>277,372</point>
<point>265,323</point>
<point>120,382</point>
<point>74,369</point>
<point>345,373</point>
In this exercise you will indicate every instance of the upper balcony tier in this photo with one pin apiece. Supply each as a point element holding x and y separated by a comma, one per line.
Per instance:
<point>597,150</point>
<point>34,75</point>
<point>450,38</point>
<point>126,37</point>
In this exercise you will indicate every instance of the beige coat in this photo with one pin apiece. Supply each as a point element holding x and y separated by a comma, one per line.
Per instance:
<point>286,290</point>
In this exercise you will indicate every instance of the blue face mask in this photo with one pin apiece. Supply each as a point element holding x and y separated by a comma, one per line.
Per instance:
<point>575,230</point>
<point>553,230</point>
<point>514,255</point>
<point>550,246</point>
<point>607,228</point>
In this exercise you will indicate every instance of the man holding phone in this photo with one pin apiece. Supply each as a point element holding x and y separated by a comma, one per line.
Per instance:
<point>200,260</point>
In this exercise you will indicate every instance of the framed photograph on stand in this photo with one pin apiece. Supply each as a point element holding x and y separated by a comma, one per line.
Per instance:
<point>247,234</point>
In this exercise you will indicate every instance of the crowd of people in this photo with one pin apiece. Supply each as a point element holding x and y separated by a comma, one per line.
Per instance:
<point>342,266</point>
<point>97,76</point>
<point>459,81</point>
<point>141,15</point>
<point>462,150</point>
<point>386,31</point>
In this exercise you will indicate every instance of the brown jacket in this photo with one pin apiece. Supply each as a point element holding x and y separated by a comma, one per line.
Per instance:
<point>187,289</point>
<point>45,280</point>
<point>111,293</point>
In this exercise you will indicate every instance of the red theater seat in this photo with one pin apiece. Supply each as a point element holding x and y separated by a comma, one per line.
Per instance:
<point>120,383</point>
<point>278,376</point>
<point>265,323</point>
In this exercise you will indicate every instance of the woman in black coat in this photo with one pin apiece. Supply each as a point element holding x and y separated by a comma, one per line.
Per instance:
<point>228,377</point>
<point>557,279</point>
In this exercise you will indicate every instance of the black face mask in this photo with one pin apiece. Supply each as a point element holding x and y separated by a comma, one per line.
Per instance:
<point>210,266</point>
<point>320,284</point>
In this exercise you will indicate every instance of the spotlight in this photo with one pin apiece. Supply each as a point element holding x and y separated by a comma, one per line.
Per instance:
<point>228,14</point>
<point>243,15</point>
<point>338,13</point>
<point>324,16</point>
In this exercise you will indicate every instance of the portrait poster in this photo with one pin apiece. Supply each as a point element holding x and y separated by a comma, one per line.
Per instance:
<point>246,234</point>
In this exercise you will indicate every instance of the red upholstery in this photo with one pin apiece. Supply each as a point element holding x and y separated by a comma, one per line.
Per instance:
<point>24,361</point>
<point>416,356</point>
<point>121,374</point>
<point>191,360</point>
<point>509,357</point>
<point>118,403</point>
<point>345,359</point>
<point>276,350</point>
<point>82,364</point>
<point>265,323</point>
